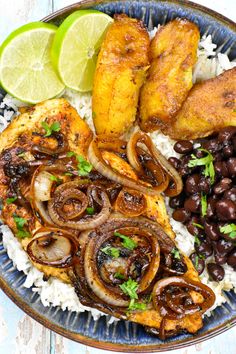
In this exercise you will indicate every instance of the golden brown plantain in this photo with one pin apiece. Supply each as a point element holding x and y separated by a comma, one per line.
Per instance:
<point>210,106</point>
<point>173,54</point>
<point>120,72</point>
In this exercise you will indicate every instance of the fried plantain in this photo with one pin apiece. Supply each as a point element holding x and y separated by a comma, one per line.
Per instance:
<point>210,106</point>
<point>173,54</point>
<point>120,72</point>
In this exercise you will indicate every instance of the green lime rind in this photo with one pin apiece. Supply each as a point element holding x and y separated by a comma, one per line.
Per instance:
<point>75,47</point>
<point>24,48</point>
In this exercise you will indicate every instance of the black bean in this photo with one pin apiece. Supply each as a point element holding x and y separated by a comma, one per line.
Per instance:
<point>232,259</point>
<point>231,165</point>
<point>199,263</point>
<point>231,194</point>
<point>205,185</point>
<point>176,202</point>
<point>222,186</point>
<point>193,203</point>
<point>224,246</point>
<point>226,134</point>
<point>211,145</point>
<point>226,209</point>
<point>216,271</point>
<point>220,259</point>
<point>181,215</point>
<point>174,162</point>
<point>221,168</point>
<point>199,153</point>
<point>183,146</point>
<point>228,151</point>
<point>192,228</point>
<point>205,249</point>
<point>192,184</point>
<point>183,168</point>
<point>218,156</point>
<point>211,230</point>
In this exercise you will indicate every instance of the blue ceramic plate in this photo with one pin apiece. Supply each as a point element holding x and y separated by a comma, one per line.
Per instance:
<point>125,336</point>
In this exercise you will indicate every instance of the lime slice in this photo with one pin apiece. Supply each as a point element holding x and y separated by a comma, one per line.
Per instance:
<point>76,46</point>
<point>26,71</point>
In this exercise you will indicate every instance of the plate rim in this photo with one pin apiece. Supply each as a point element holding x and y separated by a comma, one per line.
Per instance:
<point>83,339</point>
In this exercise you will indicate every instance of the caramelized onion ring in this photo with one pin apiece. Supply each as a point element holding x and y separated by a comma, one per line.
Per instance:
<point>68,191</point>
<point>52,247</point>
<point>159,163</point>
<point>170,306</point>
<point>62,145</point>
<point>96,159</point>
<point>131,202</point>
<point>107,293</point>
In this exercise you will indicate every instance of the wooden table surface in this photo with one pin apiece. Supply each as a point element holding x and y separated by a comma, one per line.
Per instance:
<point>19,334</point>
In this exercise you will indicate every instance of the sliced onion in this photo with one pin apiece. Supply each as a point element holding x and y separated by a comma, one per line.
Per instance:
<point>96,159</point>
<point>110,294</point>
<point>42,186</point>
<point>53,247</point>
<point>62,145</point>
<point>68,191</point>
<point>159,163</point>
<point>131,202</point>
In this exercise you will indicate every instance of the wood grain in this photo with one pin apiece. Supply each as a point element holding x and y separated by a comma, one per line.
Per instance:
<point>19,334</point>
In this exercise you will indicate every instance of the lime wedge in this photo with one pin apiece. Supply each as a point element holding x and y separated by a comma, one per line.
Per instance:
<point>76,46</point>
<point>26,71</point>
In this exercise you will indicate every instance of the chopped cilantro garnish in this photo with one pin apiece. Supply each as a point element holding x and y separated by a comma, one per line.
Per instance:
<point>90,210</point>
<point>20,223</point>
<point>84,167</point>
<point>206,161</point>
<point>21,154</point>
<point>55,179</point>
<point>54,127</point>
<point>175,253</point>
<point>204,204</point>
<point>197,225</point>
<point>11,200</point>
<point>111,251</point>
<point>196,240</point>
<point>130,288</point>
<point>196,262</point>
<point>127,242</point>
<point>119,275</point>
<point>229,229</point>
<point>68,174</point>
<point>133,305</point>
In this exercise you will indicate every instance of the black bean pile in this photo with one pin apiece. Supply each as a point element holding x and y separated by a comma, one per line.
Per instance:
<point>207,205</point>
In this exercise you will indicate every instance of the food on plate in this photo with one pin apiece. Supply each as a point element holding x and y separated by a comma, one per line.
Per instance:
<point>217,108</point>
<point>76,63</point>
<point>173,53</point>
<point>120,72</point>
<point>207,205</point>
<point>89,210</point>
<point>76,220</point>
<point>26,71</point>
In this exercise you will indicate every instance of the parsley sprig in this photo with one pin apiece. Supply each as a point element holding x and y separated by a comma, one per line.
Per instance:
<point>175,253</point>
<point>111,251</point>
<point>203,204</point>
<point>229,229</point>
<point>207,161</point>
<point>127,241</point>
<point>11,200</point>
<point>84,167</point>
<point>90,210</point>
<point>130,288</point>
<point>49,129</point>
<point>20,224</point>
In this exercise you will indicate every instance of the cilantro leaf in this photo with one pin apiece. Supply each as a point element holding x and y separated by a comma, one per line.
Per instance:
<point>90,210</point>
<point>111,251</point>
<point>175,253</point>
<point>133,305</point>
<point>20,223</point>
<point>203,204</point>
<point>55,127</point>
<point>196,262</point>
<point>229,229</point>
<point>127,241</point>
<point>206,161</point>
<point>55,179</point>
<point>130,288</point>
<point>70,154</point>
<point>84,167</point>
<point>119,275</point>
<point>196,240</point>
<point>197,225</point>
<point>11,200</point>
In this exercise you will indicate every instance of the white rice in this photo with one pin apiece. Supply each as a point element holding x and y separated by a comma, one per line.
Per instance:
<point>54,292</point>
